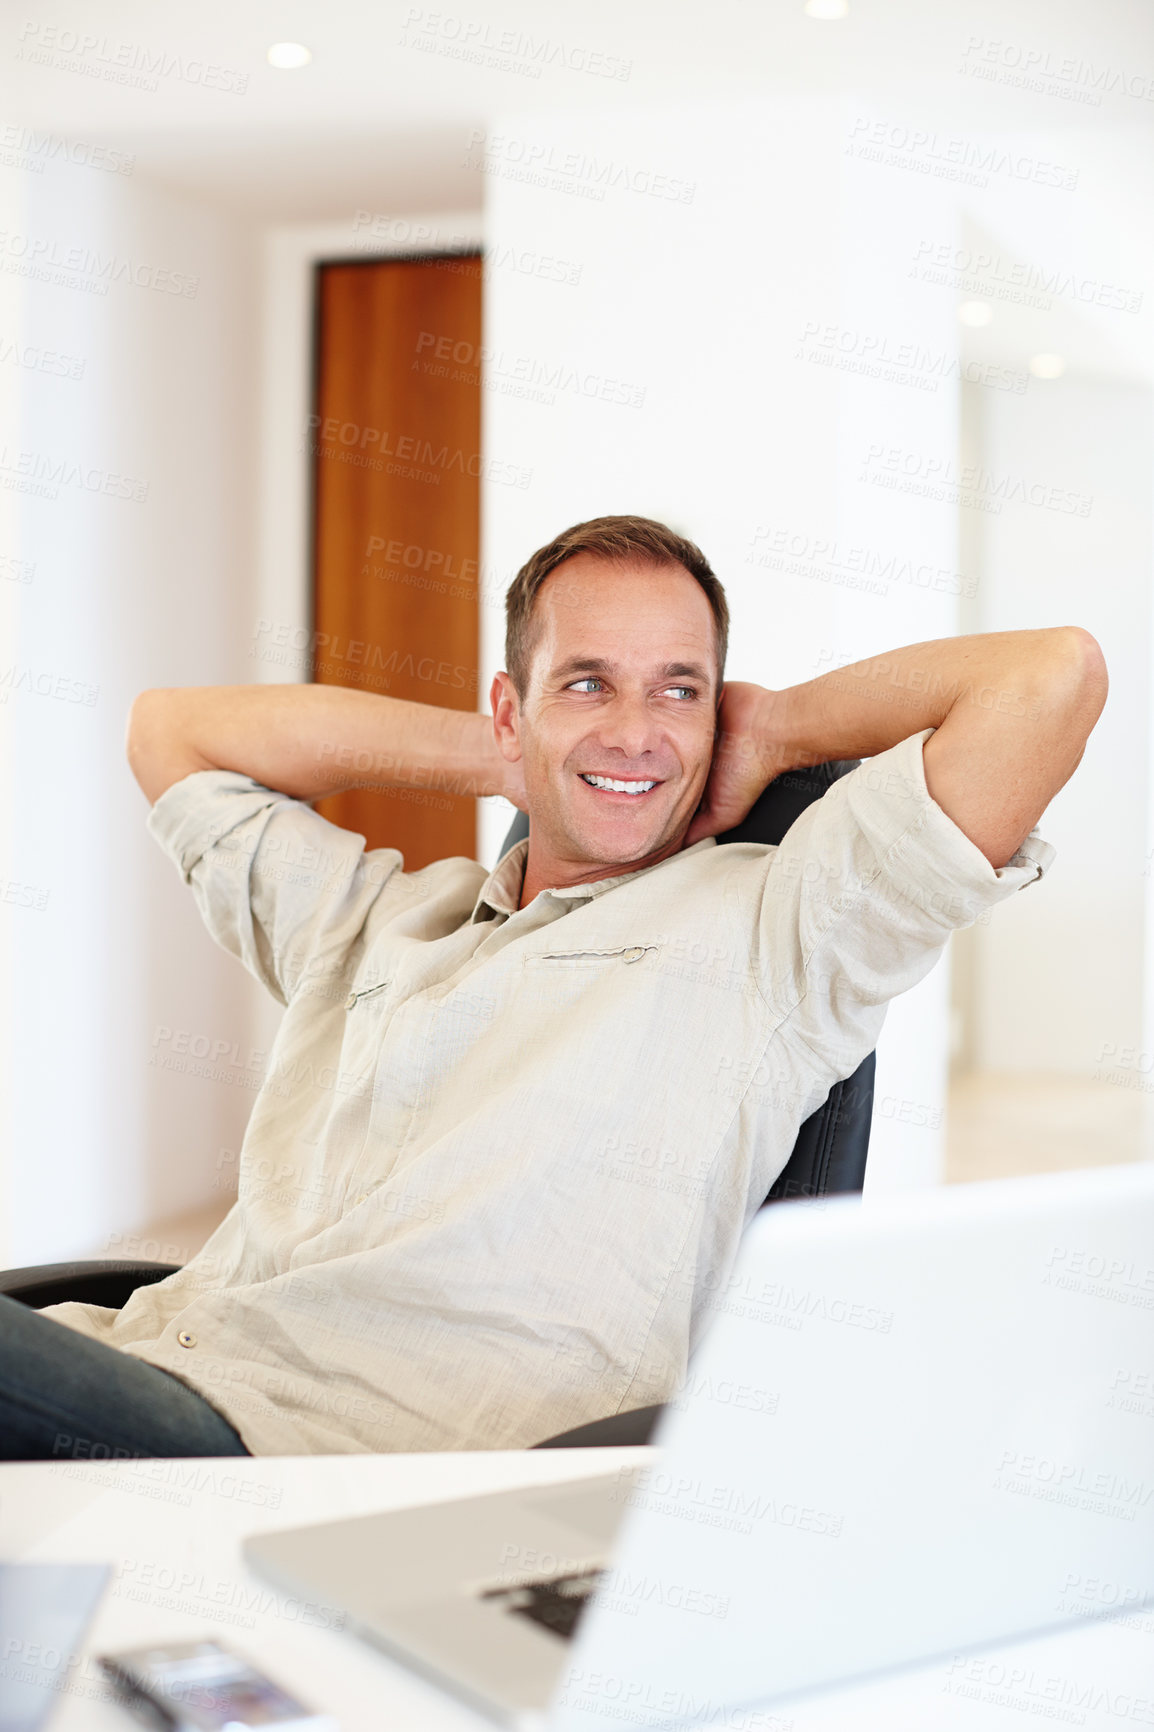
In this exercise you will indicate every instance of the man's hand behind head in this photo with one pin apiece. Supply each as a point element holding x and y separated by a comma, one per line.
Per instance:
<point>745,760</point>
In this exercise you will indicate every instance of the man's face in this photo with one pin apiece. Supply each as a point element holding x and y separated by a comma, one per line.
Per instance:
<point>623,687</point>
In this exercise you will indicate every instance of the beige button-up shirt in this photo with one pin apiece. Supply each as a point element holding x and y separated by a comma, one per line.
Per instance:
<point>501,1157</point>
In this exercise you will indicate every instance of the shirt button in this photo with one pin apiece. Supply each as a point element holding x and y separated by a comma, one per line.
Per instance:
<point>634,953</point>
<point>350,1000</point>
<point>186,1338</point>
<point>363,1197</point>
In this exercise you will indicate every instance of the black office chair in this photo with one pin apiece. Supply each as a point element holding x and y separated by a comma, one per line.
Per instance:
<point>829,1155</point>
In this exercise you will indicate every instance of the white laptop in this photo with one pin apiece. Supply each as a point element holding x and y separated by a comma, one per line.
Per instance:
<point>914,1426</point>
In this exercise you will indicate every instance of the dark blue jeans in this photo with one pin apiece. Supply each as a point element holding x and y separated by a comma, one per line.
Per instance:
<point>66,1398</point>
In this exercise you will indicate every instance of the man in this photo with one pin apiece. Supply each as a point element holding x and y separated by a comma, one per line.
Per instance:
<point>448,1233</point>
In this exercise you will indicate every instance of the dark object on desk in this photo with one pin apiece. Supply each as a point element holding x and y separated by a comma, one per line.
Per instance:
<point>44,1612</point>
<point>828,1157</point>
<point>201,1686</point>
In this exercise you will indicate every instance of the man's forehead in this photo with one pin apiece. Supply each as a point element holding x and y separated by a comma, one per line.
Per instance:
<point>586,577</point>
<point>590,601</point>
<point>597,618</point>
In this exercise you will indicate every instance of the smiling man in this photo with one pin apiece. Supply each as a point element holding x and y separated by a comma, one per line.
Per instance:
<point>611,703</point>
<point>514,1122</point>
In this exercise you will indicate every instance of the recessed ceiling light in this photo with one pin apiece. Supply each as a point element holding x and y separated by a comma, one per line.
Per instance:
<point>826,8</point>
<point>975,313</point>
<point>1047,366</point>
<point>288,56</point>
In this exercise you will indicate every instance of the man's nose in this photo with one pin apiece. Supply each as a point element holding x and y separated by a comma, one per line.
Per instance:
<point>629,726</point>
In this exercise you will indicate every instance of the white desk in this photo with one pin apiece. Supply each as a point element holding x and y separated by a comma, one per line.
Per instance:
<point>172,1533</point>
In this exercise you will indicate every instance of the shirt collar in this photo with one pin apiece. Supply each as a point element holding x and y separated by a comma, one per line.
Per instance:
<point>501,891</point>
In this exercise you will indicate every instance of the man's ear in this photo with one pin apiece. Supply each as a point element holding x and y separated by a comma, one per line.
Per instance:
<point>506,708</point>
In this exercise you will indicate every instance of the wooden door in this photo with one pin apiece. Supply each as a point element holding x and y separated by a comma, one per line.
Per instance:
<point>395,438</point>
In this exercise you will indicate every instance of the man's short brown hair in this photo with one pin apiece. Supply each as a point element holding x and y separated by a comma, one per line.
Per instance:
<point>617,540</point>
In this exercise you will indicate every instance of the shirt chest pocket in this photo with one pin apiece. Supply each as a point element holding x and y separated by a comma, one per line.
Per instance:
<point>367,1009</point>
<point>590,957</point>
<point>360,994</point>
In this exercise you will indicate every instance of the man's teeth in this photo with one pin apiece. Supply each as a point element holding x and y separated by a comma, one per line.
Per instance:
<point>618,787</point>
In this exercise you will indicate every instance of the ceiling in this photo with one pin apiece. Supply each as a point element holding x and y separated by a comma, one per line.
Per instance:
<point>381,118</point>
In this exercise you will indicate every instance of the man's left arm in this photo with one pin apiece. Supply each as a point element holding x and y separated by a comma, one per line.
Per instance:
<point>1012,712</point>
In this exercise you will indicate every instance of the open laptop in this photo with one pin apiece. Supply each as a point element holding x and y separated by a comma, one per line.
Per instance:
<point>913,1426</point>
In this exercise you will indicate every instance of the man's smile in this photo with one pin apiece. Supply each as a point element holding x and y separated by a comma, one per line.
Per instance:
<point>617,787</point>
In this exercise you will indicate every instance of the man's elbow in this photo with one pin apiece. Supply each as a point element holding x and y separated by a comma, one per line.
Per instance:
<point>143,723</point>
<point>156,755</point>
<point>140,716</point>
<point>1078,682</point>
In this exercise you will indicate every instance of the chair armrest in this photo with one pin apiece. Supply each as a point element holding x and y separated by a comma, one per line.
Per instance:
<point>93,1283</point>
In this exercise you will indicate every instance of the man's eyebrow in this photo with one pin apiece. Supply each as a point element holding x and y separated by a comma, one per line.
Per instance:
<point>579,665</point>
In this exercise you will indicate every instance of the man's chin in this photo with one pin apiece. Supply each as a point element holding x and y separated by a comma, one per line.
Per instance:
<point>605,845</point>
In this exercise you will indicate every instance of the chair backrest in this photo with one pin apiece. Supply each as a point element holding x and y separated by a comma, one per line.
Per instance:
<point>831,1148</point>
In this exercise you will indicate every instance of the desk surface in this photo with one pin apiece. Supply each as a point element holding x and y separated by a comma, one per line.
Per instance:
<point>172,1531</point>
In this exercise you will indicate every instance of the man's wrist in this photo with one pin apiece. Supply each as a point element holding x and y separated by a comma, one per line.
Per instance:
<point>775,751</point>
<point>492,776</point>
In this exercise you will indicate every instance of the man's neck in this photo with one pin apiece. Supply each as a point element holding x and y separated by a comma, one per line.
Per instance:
<point>547,872</point>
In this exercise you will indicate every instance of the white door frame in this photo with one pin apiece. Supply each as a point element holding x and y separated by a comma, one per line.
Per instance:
<point>291,255</point>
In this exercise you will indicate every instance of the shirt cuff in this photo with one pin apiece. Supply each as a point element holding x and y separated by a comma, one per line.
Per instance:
<point>924,850</point>
<point>193,814</point>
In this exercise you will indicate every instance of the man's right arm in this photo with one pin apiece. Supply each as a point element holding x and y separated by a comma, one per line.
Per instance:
<point>311,740</point>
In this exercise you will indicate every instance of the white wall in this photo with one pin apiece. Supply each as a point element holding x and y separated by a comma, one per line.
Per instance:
<point>748,313</point>
<point>14,574</point>
<point>1060,981</point>
<point>1057,978</point>
<point>151,589</point>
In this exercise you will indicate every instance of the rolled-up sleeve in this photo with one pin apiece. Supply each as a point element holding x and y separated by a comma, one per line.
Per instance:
<point>862,895</point>
<point>277,885</point>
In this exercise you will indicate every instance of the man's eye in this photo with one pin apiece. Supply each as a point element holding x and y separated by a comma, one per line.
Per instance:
<point>595,680</point>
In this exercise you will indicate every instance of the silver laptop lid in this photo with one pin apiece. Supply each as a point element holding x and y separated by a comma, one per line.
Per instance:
<point>914,1426</point>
